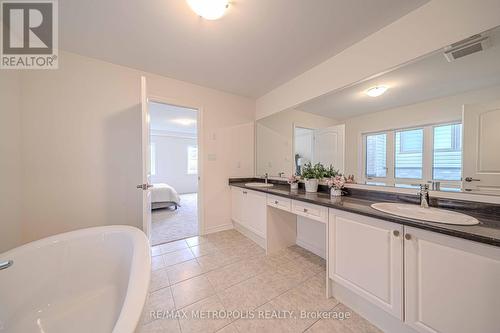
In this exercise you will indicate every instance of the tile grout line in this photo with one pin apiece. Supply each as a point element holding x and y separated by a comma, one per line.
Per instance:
<point>239,260</point>
<point>316,321</point>
<point>270,300</point>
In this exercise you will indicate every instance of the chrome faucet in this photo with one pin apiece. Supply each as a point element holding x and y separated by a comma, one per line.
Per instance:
<point>266,177</point>
<point>281,174</point>
<point>424,195</point>
<point>6,264</point>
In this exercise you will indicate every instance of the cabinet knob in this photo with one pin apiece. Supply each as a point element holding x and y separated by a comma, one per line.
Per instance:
<point>305,210</point>
<point>396,233</point>
<point>407,236</point>
<point>276,202</point>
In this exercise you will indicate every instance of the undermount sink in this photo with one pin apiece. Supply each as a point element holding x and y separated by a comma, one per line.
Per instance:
<point>262,185</point>
<point>430,214</point>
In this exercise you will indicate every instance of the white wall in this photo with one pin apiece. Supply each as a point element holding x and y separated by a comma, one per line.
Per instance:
<point>275,139</point>
<point>171,163</point>
<point>426,29</point>
<point>10,159</point>
<point>81,152</point>
<point>441,110</point>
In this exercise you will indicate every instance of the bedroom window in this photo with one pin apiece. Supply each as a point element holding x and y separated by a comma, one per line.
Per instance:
<point>192,160</point>
<point>153,159</point>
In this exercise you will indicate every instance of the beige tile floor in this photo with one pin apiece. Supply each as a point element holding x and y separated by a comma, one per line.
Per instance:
<point>210,282</point>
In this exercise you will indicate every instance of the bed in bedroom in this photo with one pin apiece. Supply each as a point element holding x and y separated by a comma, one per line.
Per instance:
<point>164,196</point>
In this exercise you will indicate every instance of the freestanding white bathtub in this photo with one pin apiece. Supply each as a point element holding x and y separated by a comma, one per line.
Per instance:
<point>87,281</point>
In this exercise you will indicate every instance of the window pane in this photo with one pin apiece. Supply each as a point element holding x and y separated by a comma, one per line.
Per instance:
<point>447,163</point>
<point>409,154</point>
<point>376,155</point>
<point>192,160</point>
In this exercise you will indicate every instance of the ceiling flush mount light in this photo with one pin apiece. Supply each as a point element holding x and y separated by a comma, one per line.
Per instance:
<point>376,91</point>
<point>184,121</point>
<point>209,9</point>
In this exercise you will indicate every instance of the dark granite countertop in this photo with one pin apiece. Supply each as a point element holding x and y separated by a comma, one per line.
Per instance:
<point>487,231</point>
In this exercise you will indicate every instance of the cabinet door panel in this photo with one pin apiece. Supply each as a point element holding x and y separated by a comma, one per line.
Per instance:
<point>366,257</point>
<point>256,213</point>
<point>236,204</point>
<point>452,285</point>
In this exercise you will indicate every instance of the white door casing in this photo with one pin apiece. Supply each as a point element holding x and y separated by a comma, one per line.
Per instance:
<point>481,140</point>
<point>146,160</point>
<point>201,151</point>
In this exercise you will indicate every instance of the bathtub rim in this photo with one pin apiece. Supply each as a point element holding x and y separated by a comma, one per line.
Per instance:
<point>140,268</point>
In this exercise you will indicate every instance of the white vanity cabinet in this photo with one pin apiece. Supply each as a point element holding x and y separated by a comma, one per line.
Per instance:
<point>248,208</point>
<point>366,257</point>
<point>311,211</point>
<point>451,284</point>
<point>446,284</point>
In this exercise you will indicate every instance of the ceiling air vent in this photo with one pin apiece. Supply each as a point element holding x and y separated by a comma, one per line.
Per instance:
<point>467,46</point>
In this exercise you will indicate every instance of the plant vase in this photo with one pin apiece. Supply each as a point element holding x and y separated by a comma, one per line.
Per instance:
<point>335,192</point>
<point>311,185</point>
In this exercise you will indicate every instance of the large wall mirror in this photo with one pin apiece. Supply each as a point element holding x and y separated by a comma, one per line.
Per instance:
<point>435,120</point>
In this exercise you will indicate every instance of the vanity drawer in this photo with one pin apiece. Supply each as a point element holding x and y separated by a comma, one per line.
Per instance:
<point>279,202</point>
<point>315,212</point>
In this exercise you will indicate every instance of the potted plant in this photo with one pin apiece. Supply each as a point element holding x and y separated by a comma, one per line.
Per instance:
<point>336,184</point>
<point>331,172</point>
<point>293,180</point>
<point>311,175</point>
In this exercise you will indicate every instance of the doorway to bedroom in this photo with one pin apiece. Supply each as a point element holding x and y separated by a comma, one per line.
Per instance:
<point>174,172</point>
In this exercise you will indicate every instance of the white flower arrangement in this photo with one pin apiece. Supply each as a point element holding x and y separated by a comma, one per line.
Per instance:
<point>293,179</point>
<point>337,182</point>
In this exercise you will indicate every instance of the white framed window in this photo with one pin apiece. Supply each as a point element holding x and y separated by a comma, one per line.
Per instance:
<point>152,162</point>
<point>409,154</point>
<point>447,154</point>
<point>192,160</point>
<point>405,157</point>
<point>376,155</point>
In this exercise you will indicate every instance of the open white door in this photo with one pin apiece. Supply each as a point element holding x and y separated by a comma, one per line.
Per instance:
<point>146,160</point>
<point>481,140</point>
<point>329,146</point>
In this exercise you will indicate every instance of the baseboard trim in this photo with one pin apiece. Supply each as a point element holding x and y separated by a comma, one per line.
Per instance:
<point>250,234</point>
<point>312,248</point>
<point>218,228</point>
<point>378,317</point>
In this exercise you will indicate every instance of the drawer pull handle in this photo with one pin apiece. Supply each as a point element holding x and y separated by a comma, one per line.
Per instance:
<point>305,210</point>
<point>244,192</point>
<point>396,233</point>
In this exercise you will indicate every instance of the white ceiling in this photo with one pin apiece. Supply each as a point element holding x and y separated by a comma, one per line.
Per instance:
<point>425,79</point>
<point>162,118</point>
<point>255,47</point>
